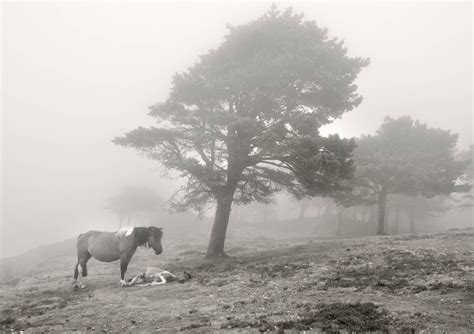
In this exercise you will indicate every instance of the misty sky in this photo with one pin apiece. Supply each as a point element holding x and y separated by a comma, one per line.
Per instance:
<point>75,75</point>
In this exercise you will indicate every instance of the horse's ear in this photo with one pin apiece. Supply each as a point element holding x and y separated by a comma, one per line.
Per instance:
<point>153,229</point>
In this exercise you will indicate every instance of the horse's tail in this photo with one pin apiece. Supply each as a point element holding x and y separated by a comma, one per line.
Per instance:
<point>78,240</point>
<point>80,253</point>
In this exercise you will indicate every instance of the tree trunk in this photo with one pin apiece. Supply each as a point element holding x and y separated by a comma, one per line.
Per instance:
<point>303,208</point>
<point>363,215</point>
<point>366,215</point>
<point>219,228</point>
<point>372,215</point>
<point>397,217</point>
<point>340,213</point>
<point>381,212</point>
<point>411,213</point>
<point>328,210</point>
<point>387,224</point>
<point>371,220</point>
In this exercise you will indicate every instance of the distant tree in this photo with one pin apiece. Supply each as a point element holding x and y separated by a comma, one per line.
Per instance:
<point>313,202</point>
<point>243,122</point>
<point>408,158</point>
<point>133,201</point>
<point>417,208</point>
<point>354,195</point>
<point>259,213</point>
<point>467,199</point>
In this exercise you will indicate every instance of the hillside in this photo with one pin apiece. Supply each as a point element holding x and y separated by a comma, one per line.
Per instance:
<point>366,284</point>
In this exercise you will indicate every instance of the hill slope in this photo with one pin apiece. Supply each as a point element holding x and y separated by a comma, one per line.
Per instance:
<point>366,284</point>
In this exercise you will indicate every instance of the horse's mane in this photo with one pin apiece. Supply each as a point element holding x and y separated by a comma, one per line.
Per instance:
<point>141,234</point>
<point>124,231</point>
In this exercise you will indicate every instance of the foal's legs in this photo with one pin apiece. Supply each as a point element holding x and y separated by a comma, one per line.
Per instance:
<point>134,280</point>
<point>155,281</point>
<point>162,280</point>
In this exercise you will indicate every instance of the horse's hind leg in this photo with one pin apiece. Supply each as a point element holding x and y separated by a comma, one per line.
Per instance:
<point>76,273</point>
<point>81,270</point>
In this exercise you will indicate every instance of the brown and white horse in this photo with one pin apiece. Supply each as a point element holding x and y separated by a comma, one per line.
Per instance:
<point>113,246</point>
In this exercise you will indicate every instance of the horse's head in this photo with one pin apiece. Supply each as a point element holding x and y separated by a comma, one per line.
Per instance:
<point>154,239</point>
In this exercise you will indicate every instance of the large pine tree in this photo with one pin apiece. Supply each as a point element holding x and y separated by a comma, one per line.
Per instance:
<point>243,122</point>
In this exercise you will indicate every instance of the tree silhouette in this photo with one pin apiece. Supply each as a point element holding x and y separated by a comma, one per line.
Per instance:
<point>466,201</point>
<point>243,122</point>
<point>408,158</point>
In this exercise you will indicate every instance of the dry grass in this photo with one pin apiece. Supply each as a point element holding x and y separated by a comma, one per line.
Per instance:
<point>400,283</point>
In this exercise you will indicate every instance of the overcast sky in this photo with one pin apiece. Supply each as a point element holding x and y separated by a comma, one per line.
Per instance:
<point>76,75</point>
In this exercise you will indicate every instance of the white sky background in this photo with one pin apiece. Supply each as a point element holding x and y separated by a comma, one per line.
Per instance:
<point>75,75</point>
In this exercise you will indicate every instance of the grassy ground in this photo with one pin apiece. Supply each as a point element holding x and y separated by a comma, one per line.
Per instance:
<point>401,283</point>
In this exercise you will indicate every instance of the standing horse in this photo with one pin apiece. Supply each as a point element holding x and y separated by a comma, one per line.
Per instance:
<point>113,246</point>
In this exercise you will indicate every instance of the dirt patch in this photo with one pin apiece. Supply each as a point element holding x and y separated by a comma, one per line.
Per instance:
<point>425,262</point>
<point>326,317</point>
<point>397,271</point>
<point>192,252</point>
<point>283,270</point>
<point>14,316</point>
<point>195,325</point>
<point>361,285</point>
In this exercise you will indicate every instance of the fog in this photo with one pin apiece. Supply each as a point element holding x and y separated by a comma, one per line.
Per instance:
<point>76,75</point>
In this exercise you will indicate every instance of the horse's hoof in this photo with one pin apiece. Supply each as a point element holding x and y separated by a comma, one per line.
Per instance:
<point>123,283</point>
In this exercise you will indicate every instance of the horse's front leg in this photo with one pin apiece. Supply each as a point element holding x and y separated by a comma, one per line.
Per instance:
<point>123,270</point>
<point>124,261</point>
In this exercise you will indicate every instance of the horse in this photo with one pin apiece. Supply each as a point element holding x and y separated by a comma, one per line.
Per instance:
<point>156,276</point>
<point>113,246</point>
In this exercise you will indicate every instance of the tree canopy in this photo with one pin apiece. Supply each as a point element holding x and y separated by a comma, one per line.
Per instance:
<point>467,199</point>
<point>243,122</point>
<point>407,157</point>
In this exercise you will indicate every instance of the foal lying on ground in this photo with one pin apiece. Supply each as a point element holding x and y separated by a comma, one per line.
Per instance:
<point>156,276</point>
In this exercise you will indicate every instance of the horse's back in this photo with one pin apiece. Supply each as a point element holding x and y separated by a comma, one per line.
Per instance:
<point>103,246</point>
<point>85,238</point>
